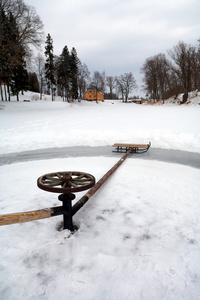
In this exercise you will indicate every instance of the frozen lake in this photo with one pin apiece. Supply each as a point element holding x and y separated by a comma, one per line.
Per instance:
<point>173,156</point>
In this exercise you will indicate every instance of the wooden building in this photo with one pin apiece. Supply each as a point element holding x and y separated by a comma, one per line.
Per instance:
<point>94,94</point>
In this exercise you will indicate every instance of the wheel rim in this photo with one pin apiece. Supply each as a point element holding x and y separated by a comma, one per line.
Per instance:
<point>66,182</point>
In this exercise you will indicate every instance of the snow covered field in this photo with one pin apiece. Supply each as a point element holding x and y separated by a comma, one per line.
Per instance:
<point>43,124</point>
<point>139,235</point>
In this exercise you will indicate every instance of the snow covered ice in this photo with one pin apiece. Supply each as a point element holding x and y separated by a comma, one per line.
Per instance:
<point>138,236</point>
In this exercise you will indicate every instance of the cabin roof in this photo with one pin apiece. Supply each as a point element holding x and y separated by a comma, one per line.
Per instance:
<point>92,87</point>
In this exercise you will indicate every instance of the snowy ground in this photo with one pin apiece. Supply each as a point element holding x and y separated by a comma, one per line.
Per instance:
<point>43,124</point>
<point>139,235</point>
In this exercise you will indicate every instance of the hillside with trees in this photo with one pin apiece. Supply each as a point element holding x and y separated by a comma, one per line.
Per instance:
<point>169,76</point>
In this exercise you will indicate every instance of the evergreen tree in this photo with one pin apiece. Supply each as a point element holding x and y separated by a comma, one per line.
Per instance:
<point>49,65</point>
<point>12,55</point>
<point>19,80</point>
<point>63,72</point>
<point>74,74</point>
<point>33,83</point>
<point>17,63</point>
<point>4,49</point>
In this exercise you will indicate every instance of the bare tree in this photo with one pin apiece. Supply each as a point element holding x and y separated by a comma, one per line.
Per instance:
<point>120,87</point>
<point>195,61</point>
<point>126,84</point>
<point>184,58</point>
<point>29,23</point>
<point>98,80</point>
<point>83,77</point>
<point>40,70</point>
<point>111,84</point>
<point>157,76</point>
<point>103,81</point>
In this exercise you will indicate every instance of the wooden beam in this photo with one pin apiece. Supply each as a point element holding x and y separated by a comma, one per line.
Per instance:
<point>97,186</point>
<point>22,217</point>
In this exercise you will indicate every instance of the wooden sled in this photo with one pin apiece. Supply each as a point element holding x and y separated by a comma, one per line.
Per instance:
<point>136,148</point>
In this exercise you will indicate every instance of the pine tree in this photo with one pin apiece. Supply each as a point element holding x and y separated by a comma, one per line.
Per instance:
<point>19,80</point>
<point>63,72</point>
<point>4,49</point>
<point>17,63</point>
<point>74,73</point>
<point>49,65</point>
<point>33,83</point>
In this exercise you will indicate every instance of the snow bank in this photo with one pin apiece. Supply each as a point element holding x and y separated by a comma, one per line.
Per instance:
<point>193,99</point>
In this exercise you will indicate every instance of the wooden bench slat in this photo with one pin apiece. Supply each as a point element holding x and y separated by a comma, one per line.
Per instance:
<point>131,145</point>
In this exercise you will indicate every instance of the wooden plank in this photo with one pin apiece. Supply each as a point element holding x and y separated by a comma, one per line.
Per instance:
<point>142,146</point>
<point>22,217</point>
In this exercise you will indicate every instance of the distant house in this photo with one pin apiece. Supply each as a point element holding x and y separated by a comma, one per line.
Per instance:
<point>94,94</point>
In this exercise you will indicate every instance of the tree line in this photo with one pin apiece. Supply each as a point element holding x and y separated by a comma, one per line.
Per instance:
<point>165,77</point>
<point>20,29</point>
<point>65,75</point>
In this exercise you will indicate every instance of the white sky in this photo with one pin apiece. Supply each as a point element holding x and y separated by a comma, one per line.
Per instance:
<point>117,36</point>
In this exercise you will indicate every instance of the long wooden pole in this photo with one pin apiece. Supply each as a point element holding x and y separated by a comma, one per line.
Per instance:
<point>97,186</point>
<point>23,217</point>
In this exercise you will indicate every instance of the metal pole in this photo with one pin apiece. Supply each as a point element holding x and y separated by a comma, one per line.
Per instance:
<point>67,208</point>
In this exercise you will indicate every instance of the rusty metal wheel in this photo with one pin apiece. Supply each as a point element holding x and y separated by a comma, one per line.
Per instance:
<point>66,182</point>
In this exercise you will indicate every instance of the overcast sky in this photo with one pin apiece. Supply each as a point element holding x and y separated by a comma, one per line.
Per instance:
<point>117,36</point>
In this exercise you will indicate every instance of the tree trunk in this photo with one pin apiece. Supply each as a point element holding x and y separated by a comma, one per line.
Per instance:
<point>52,94</point>
<point>8,89</point>
<point>5,92</point>
<point>185,97</point>
<point>1,92</point>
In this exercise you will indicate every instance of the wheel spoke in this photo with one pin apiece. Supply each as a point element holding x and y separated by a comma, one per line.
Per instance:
<point>80,176</point>
<point>52,181</point>
<point>65,185</point>
<point>59,175</point>
<point>81,182</point>
<point>55,183</point>
<point>51,177</point>
<point>73,184</point>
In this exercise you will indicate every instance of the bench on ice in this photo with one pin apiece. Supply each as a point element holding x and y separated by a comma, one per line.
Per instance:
<point>136,148</point>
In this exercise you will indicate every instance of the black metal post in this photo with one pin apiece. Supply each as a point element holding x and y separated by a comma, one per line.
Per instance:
<point>67,207</point>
